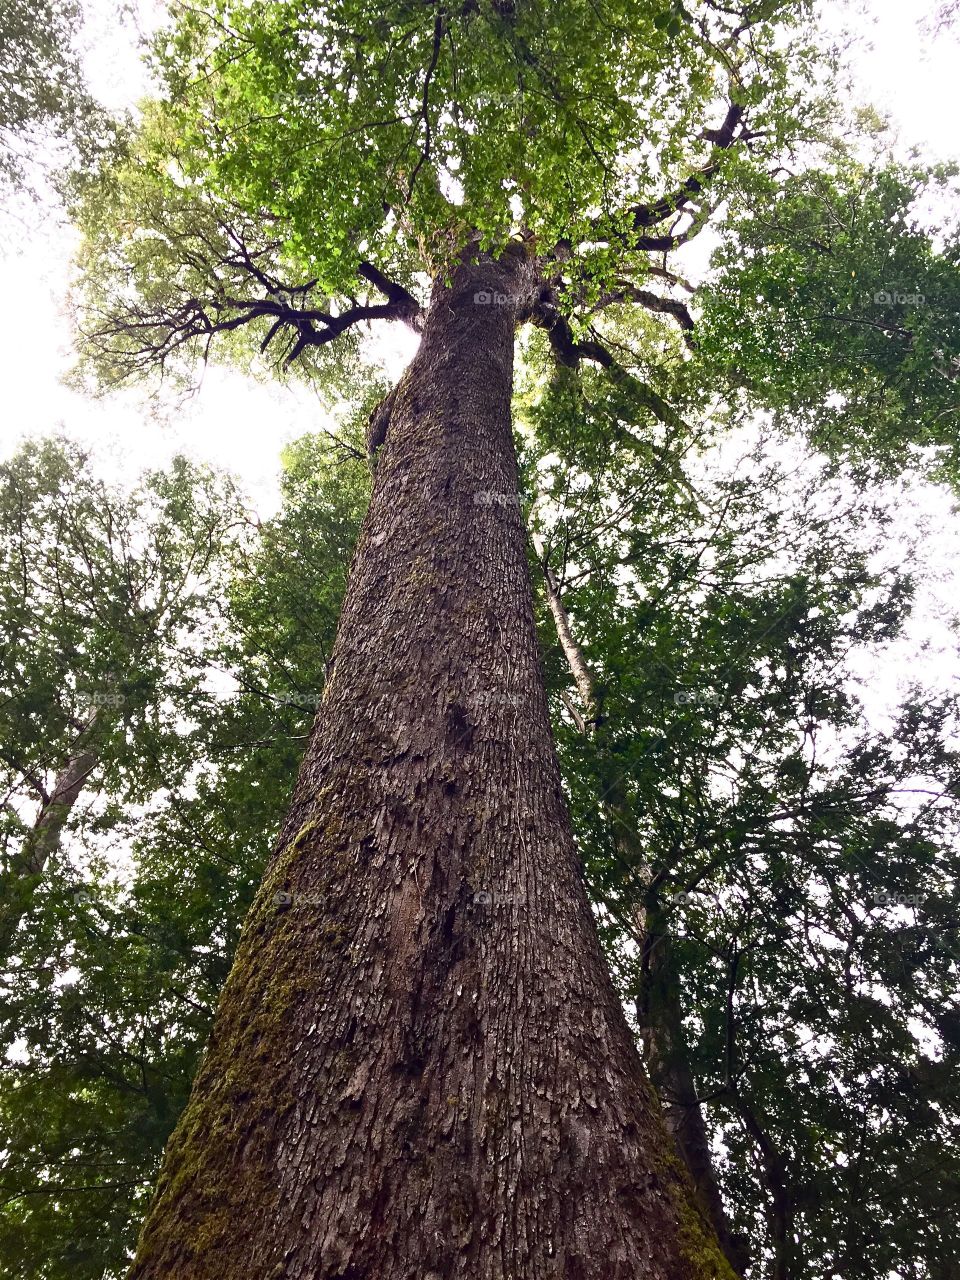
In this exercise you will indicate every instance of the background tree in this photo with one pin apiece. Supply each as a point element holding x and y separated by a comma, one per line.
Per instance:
<point>836,302</point>
<point>101,594</point>
<point>44,101</point>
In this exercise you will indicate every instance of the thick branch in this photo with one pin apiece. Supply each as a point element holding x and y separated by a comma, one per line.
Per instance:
<point>636,220</point>
<point>409,309</point>
<point>626,292</point>
<point>569,353</point>
<point>651,215</point>
<point>166,330</point>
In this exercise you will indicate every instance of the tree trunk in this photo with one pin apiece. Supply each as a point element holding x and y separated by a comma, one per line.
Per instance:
<point>659,1011</point>
<point>419,1068</point>
<point>660,1016</point>
<point>780,1206</point>
<point>43,840</point>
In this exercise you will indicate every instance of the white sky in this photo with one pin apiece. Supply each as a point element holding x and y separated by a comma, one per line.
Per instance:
<point>232,422</point>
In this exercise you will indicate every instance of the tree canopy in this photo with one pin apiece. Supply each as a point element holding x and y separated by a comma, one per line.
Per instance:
<point>45,101</point>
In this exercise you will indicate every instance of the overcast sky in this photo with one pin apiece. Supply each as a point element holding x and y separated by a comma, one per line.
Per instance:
<point>231,422</point>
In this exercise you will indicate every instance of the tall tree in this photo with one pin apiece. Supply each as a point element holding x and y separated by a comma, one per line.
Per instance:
<point>378,1095</point>
<point>100,591</point>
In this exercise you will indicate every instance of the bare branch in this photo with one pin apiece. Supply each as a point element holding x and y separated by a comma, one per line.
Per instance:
<point>641,217</point>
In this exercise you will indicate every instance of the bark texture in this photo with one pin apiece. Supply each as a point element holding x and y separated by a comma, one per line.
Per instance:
<point>659,1011</point>
<point>419,1068</point>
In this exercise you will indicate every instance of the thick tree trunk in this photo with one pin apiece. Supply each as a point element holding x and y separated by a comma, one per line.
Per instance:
<point>419,1068</point>
<point>659,1011</point>
<point>44,839</point>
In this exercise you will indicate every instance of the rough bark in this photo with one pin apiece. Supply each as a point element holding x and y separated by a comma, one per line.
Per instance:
<point>659,1010</point>
<point>43,840</point>
<point>419,1067</point>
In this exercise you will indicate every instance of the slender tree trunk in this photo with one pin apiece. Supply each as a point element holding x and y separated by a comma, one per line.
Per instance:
<point>780,1208</point>
<point>659,1011</point>
<point>660,1016</point>
<point>44,838</point>
<point>419,1067</point>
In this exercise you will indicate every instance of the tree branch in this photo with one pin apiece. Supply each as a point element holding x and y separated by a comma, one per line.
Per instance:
<point>570,352</point>
<point>626,292</point>
<point>640,217</point>
<point>409,309</point>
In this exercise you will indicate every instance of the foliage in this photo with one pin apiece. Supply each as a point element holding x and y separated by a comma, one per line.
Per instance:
<point>832,301</point>
<point>43,96</point>
<point>803,857</point>
<point>300,157</point>
<point>102,597</point>
<point>303,174</point>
